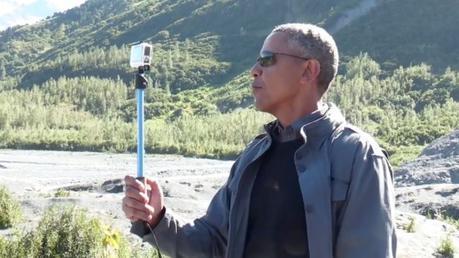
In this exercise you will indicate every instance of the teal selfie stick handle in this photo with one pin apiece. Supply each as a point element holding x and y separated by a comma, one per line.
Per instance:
<point>141,85</point>
<point>138,227</point>
<point>140,94</point>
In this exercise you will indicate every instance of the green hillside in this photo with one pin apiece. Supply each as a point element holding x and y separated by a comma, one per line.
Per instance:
<point>407,32</point>
<point>65,82</point>
<point>209,42</point>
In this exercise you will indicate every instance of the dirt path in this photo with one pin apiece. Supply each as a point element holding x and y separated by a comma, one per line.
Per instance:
<point>348,16</point>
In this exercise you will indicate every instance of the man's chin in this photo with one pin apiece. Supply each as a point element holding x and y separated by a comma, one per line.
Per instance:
<point>260,107</point>
<point>257,105</point>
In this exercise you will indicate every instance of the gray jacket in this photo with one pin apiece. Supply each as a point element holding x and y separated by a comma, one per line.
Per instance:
<point>347,189</point>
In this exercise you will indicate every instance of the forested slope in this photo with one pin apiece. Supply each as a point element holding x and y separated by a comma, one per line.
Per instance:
<point>65,82</point>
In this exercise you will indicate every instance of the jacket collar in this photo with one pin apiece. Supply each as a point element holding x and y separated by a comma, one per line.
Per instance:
<point>313,128</point>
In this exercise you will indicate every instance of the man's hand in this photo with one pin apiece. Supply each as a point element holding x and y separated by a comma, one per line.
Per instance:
<point>143,202</point>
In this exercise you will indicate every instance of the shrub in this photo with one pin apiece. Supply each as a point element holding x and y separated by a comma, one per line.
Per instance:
<point>10,210</point>
<point>13,247</point>
<point>3,247</point>
<point>446,248</point>
<point>70,232</point>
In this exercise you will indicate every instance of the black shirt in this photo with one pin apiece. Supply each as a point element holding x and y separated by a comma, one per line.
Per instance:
<point>277,226</point>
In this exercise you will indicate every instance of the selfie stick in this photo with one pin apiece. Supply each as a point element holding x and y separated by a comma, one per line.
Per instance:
<point>140,59</point>
<point>141,83</point>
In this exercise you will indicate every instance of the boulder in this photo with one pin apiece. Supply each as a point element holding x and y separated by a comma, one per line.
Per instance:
<point>437,164</point>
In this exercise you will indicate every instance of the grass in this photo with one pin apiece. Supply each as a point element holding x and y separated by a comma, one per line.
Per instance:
<point>11,212</point>
<point>61,193</point>
<point>410,227</point>
<point>450,220</point>
<point>403,154</point>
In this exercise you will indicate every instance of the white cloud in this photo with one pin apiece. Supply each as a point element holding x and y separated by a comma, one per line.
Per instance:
<point>61,5</point>
<point>10,6</point>
<point>16,12</point>
<point>11,20</point>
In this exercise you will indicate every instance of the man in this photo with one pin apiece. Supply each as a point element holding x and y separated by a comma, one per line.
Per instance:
<point>311,186</point>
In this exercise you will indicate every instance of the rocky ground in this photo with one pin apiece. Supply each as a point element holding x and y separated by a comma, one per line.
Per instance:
<point>437,164</point>
<point>426,188</point>
<point>429,188</point>
<point>94,182</point>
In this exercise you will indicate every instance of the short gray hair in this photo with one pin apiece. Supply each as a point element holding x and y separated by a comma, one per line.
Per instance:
<point>314,42</point>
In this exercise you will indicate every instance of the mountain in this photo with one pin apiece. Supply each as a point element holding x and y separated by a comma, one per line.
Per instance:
<point>406,32</point>
<point>64,81</point>
<point>211,41</point>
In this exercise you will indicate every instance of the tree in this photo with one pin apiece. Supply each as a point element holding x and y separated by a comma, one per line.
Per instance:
<point>2,72</point>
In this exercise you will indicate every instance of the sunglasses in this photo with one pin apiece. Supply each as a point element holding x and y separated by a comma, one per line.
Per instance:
<point>268,58</point>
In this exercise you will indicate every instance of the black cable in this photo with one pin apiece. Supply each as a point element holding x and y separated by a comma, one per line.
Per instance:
<point>154,240</point>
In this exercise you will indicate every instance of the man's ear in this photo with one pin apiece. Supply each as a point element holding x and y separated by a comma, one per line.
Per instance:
<point>311,70</point>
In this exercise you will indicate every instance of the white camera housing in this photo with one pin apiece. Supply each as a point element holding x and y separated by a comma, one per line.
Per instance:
<point>140,55</point>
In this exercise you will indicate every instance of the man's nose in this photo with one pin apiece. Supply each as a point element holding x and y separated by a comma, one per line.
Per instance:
<point>255,71</point>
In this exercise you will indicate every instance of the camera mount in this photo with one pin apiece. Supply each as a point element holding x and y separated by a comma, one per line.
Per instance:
<point>141,81</point>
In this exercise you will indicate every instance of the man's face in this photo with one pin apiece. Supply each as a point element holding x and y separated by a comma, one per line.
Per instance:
<point>276,87</point>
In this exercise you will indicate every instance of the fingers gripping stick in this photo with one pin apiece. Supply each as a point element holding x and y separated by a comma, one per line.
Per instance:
<point>139,227</point>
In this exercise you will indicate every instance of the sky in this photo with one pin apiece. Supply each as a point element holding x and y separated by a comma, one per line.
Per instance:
<point>18,12</point>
